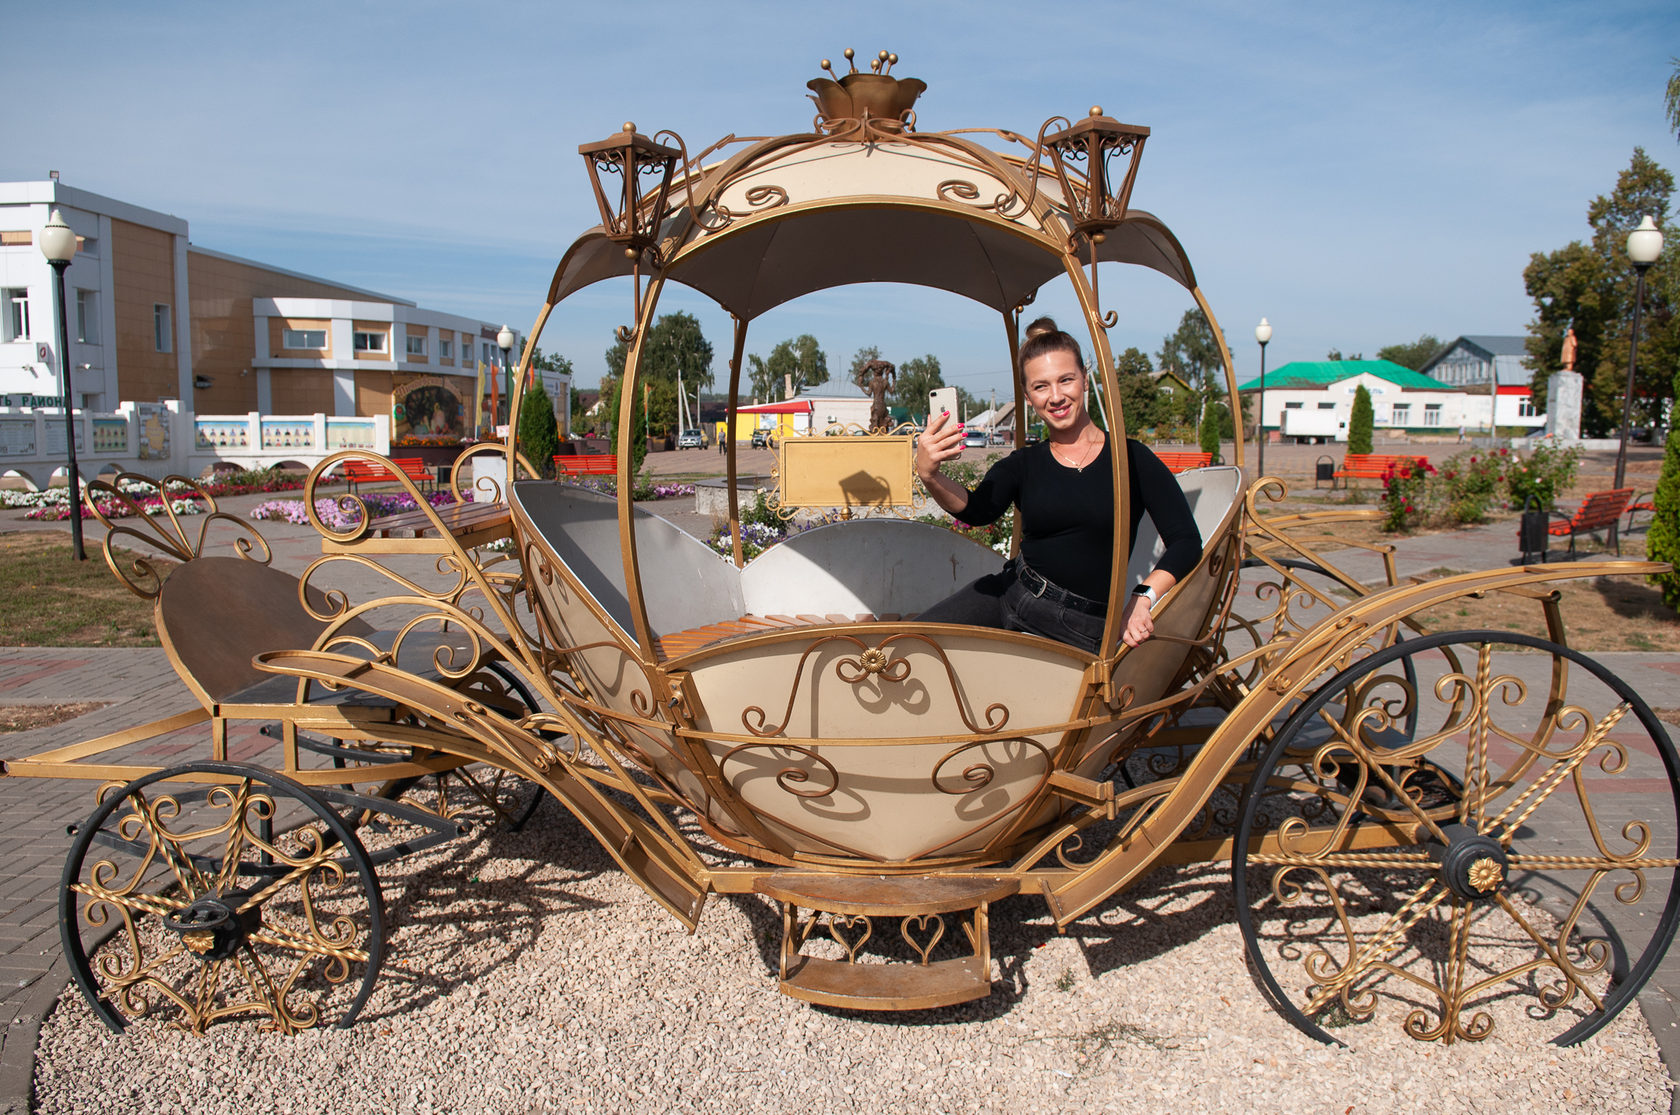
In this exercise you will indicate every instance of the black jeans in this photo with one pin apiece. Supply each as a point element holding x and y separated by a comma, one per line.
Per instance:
<point>1000,600</point>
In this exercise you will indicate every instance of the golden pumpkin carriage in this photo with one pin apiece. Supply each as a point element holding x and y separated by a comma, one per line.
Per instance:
<point>1417,821</point>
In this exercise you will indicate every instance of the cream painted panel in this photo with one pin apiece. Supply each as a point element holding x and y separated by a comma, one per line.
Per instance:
<point>804,679</point>
<point>888,801</point>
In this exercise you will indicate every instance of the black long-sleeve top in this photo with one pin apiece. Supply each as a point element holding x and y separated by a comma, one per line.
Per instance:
<point>1067,515</point>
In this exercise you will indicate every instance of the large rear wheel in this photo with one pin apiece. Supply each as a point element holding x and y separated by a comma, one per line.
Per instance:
<point>1461,828</point>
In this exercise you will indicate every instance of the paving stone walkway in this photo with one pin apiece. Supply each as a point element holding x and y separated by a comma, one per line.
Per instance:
<point>139,685</point>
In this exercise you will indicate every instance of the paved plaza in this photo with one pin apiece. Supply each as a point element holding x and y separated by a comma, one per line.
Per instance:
<point>138,685</point>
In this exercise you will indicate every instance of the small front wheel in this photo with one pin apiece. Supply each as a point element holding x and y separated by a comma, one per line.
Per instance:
<point>242,895</point>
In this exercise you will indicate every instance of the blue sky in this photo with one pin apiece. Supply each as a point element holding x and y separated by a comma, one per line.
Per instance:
<point>1358,173</point>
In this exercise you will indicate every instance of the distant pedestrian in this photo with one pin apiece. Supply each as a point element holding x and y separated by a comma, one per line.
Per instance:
<point>723,444</point>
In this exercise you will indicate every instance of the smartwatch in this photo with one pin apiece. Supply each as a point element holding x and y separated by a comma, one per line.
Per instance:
<point>1149,594</point>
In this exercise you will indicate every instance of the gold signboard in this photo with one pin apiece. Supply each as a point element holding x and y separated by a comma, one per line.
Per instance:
<point>853,472</point>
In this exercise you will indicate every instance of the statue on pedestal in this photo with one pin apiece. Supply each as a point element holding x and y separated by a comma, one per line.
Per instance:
<point>877,378</point>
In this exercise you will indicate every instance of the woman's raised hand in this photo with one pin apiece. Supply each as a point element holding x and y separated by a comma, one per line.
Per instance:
<point>942,441</point>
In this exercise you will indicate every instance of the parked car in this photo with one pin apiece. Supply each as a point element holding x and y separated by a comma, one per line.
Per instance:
<point>761,439</point>
<point>691,439</point>
<point>975,439</point>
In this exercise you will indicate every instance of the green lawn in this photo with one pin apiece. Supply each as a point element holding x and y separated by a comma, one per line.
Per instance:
<point>54,601</point>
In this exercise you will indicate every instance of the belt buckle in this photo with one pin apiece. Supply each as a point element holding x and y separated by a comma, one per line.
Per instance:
<point>1034,575</point>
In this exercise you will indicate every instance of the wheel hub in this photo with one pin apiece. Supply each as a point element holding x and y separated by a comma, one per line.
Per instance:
<point>1472,866</point>
<point>214,926</point>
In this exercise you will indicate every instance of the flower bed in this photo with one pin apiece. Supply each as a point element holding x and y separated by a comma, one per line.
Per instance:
<point>343,512</point>
<point>53,504</point>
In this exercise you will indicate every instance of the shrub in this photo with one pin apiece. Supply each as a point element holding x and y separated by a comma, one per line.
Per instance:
<point>1472,482</point>
<point>1208,434</point>
<point>539,434</point>
<point>1662,542</point>
<point>1547,471</point>
<point>1360,422</point>
<point>1405,498</point>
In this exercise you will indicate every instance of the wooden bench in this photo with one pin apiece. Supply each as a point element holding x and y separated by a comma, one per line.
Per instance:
<point>1646,503</point>
<point>367,472</point>
<point>471,524</point>
<point>1376,466</point>
<point>1598,511</point>
<point>1183,460</point>
<point>586,464</point>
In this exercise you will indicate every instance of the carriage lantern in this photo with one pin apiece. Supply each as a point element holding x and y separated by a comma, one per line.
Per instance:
<point>633,222</point>
<point>1092,204</point>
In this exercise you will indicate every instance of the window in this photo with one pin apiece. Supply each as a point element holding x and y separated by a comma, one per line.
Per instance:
<point>17,314</point>
<point>1402,414</point>
<point>18,238</point>
<point>416,345</point>
<point>163,336</point>
<point>1326,406</point>
<point>1525,407</point>
<point>446,348</point>
<point>87,316</point>
<point>87,245</point>
<point>367,341</point>
<point>303,338</point>
<point>1293,406</point>
<point>1431,414</point>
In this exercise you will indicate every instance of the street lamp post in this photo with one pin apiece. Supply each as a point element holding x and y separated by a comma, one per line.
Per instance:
<point>1263,334</point>
<point>58,244</point>
<point>504,341</point>
<point>1644,245</point>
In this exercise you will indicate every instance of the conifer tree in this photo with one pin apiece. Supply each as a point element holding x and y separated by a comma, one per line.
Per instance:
<point>1360,422</point>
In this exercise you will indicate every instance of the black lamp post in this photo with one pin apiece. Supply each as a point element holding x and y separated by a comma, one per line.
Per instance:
<point>504,341</point>
<point>1644,245</point>
<point>58,244</point>
<point>1263,334</point>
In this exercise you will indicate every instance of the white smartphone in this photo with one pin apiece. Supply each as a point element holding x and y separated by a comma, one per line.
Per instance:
<point>942,399</point>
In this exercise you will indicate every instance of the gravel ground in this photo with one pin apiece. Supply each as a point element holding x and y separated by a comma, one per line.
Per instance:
<point>527,974</point>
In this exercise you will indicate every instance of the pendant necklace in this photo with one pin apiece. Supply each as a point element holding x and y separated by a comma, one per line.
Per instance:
<point>1080,467</point>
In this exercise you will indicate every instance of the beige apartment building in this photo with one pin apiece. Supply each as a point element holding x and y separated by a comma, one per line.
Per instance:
<point>154,317</point>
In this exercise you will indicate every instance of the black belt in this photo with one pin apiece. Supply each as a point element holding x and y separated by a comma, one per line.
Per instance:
<point>1040,586</point>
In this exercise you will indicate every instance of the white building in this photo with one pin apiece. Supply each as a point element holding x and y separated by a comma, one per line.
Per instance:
<point>1490,366</point>
<point>1402,401</point>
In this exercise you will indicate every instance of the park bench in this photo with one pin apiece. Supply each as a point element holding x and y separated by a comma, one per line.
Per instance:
<point>1182,460</point>
<point>366,472</point>
<point>586,464</point>
<point>1376,466</point>
<point>1598,511</point>
<point>1646,503</point>
<point>470,524</point>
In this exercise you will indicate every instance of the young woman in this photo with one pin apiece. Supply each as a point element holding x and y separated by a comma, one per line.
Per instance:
<point>1063,488</point>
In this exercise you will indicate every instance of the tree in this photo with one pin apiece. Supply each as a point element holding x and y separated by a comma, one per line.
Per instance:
<point>1192,350</point>
<point>611,391</point>
<point>798,358</point>
<point>1414,355</point>
<point>1590,285</point>
<point>550,362</point>
<point>1360,422</point>
<point>1336,354</point>
<point>1662,540</point>
<point>1142,402</point>
<point>539,434</point>
<point>675,343</point>
<point>1671,98</point>
<point>916,377</point>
